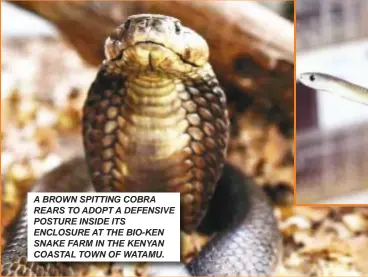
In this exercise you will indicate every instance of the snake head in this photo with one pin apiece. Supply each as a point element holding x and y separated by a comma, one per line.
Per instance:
<point>316,80</point>
<point>157,43</point>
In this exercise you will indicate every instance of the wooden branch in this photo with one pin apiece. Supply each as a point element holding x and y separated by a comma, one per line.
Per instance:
<point>251,47</point>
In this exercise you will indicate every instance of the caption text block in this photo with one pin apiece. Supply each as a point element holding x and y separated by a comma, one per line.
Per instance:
<point>105,227</point>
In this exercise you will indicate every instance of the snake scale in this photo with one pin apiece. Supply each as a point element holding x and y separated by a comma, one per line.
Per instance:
<point>155,119</point>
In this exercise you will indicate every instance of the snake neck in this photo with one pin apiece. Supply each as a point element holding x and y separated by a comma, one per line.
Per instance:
<point>155,119</point>
<point>152,134</point>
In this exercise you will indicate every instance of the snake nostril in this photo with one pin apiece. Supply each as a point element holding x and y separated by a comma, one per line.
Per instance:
<point>177,28</point>
<point>127,24</point>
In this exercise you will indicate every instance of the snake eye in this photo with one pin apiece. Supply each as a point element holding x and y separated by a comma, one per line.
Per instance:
<point>312,78</point>
<point>177,27</point>
<point>127,24</point>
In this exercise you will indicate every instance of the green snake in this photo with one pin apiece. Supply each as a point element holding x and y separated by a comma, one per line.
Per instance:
<point>155,119</point>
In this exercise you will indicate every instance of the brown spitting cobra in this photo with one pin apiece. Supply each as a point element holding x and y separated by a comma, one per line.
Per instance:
<point>155,119</point>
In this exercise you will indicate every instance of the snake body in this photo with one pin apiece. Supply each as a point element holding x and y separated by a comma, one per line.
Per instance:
<point>155,119</point>
<point>335,85</point>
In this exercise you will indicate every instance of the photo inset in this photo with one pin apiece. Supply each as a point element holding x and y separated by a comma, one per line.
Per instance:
<point>332,97</point>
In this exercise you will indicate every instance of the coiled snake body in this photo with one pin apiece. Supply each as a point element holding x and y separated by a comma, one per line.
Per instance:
<point>155,119</point>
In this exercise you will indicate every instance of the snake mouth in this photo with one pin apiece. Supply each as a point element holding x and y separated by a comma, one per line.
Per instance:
<point>163,45</point>
<point>151,42</point>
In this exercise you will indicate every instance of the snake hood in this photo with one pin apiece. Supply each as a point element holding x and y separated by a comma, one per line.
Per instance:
<point>157,43</point>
